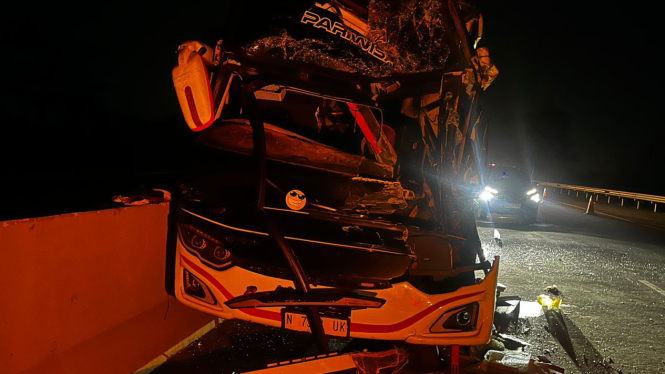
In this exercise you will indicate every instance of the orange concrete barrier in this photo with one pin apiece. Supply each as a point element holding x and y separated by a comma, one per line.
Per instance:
<point>84,292</point>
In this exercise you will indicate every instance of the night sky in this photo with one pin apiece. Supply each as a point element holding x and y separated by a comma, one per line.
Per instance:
<point>578,95</point>
<point>87,94</point>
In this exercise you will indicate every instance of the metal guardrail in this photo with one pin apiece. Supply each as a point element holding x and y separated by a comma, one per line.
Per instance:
<point>654,199</point>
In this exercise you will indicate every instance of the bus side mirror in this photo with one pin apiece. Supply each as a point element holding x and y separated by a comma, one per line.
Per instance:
<point>192,84</point>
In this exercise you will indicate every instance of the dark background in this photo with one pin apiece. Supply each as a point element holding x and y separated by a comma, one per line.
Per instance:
<point>88,105</point>
<point>578,97</point>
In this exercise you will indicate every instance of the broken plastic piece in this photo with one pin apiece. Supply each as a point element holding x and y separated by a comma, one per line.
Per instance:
<point>516,360</point>
<point>497,238</point>
<point>477,352</point>
<point>549,302</point>
<point>511,342</point>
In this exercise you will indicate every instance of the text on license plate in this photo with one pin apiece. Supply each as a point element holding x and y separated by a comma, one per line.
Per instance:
<point>331,326</point>
<point>512,206</point>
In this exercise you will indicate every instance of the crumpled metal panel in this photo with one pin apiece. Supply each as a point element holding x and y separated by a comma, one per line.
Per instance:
<point>412,33</point>
<point>486,68</point>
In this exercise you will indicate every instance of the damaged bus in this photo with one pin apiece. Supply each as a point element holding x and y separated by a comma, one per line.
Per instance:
<point>339,201</point>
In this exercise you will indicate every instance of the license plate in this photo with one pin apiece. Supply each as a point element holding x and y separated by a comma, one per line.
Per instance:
<point>512,206</point>
<point>331,326</point>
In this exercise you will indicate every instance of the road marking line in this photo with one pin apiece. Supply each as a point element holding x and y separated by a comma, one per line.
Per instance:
<point>653,287</point>
<point>611,216</point>
<point>154,364</point>
<point>184,343</point>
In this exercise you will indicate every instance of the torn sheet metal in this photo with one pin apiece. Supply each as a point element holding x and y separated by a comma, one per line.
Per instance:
<point>485,67</point>
<point>389,197</point>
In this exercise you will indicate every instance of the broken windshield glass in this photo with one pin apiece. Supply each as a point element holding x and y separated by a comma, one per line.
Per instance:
<point>393,37</point>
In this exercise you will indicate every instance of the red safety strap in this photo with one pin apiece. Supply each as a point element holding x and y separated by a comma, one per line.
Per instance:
<point>454,359</point>
<point>364,127</point>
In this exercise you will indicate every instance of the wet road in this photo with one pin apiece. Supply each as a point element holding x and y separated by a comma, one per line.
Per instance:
<point>610,273</point>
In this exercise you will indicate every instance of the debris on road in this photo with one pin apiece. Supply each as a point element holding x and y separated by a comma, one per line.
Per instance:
<point>498,362</point>
<point>506,312</point>
<point>497,238</point>
<point>508,351</point>
<point>478,352</point>
<point>504,362</point>
<point>516,360</point>
<point>511,342</point>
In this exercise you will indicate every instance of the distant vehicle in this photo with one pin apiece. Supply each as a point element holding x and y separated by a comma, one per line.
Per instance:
<point>508,192</point>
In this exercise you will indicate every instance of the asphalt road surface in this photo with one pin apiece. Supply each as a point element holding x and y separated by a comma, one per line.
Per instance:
<point>609,272</point>
<point>611,275</point>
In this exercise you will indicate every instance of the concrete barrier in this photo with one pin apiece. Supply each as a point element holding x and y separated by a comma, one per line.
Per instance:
<point>84,292</point>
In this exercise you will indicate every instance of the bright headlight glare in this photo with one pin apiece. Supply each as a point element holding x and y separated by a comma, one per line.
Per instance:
<point>486,195</point>
<point>535,198</point>
<point>531,192</point>
<point>490,189</point>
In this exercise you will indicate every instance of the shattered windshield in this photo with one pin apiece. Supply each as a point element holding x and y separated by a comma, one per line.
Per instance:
<point>396,37</point>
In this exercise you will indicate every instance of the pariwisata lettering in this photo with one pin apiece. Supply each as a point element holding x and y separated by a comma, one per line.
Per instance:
<point>336,28</point>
